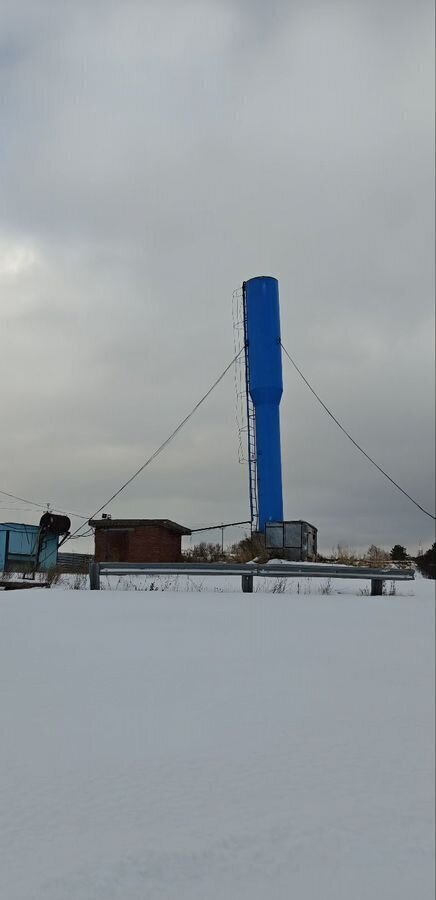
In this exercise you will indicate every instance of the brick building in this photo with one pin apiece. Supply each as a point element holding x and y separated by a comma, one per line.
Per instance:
<point>138,540</point>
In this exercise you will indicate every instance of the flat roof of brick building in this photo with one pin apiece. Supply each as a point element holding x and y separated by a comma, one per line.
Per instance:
<point>108,524</point>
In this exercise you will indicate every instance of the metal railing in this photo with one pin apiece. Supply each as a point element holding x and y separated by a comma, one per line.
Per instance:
<point>248,571</point>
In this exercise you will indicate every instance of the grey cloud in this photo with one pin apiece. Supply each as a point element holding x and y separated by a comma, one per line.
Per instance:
<point>154,156</point>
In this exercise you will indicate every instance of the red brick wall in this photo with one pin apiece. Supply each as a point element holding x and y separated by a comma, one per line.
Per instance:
<point>147,543</point>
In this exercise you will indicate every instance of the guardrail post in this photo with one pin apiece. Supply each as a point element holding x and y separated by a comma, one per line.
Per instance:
<point>376,587</point>
<point>247,584</point>
<point>94,576</point>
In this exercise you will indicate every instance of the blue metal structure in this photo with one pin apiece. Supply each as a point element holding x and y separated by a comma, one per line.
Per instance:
<point>19,545</point>
<point>263,359</point>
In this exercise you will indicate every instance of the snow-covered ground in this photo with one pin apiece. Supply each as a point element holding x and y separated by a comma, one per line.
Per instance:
<point>215,745</point>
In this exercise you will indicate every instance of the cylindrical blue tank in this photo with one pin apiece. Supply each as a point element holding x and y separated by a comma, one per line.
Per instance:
<point>265,382</point>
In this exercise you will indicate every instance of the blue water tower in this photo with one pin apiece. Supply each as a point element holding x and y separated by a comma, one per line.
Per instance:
<point>265,388</point>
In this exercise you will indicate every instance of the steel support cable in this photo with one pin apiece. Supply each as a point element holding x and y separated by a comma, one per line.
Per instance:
<point>84,535</point>
<point>43,505</point>
<point>159,450</point>
<point>367,456</point>
<point>218,527</point>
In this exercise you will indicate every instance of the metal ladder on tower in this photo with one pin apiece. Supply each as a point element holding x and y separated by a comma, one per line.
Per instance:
<point>252,464</point>
<point>251,430</point>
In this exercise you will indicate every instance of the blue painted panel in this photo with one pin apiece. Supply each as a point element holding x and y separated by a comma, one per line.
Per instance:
<point>22,545</point>
<point>23,540</point>
<point>49,553</point>
<point>266,387</point>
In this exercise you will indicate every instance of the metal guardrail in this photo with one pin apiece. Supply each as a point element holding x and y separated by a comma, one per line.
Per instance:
<point>248,571</point>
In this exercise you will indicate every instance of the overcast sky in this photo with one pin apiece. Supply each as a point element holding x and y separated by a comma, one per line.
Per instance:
<point>153,155</point>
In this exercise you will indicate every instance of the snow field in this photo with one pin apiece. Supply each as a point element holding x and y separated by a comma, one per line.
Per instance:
<point>216,745</point>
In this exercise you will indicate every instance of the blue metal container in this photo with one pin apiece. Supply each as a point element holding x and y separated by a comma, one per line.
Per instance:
<point>265,385</point>
<point>18,546</point>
